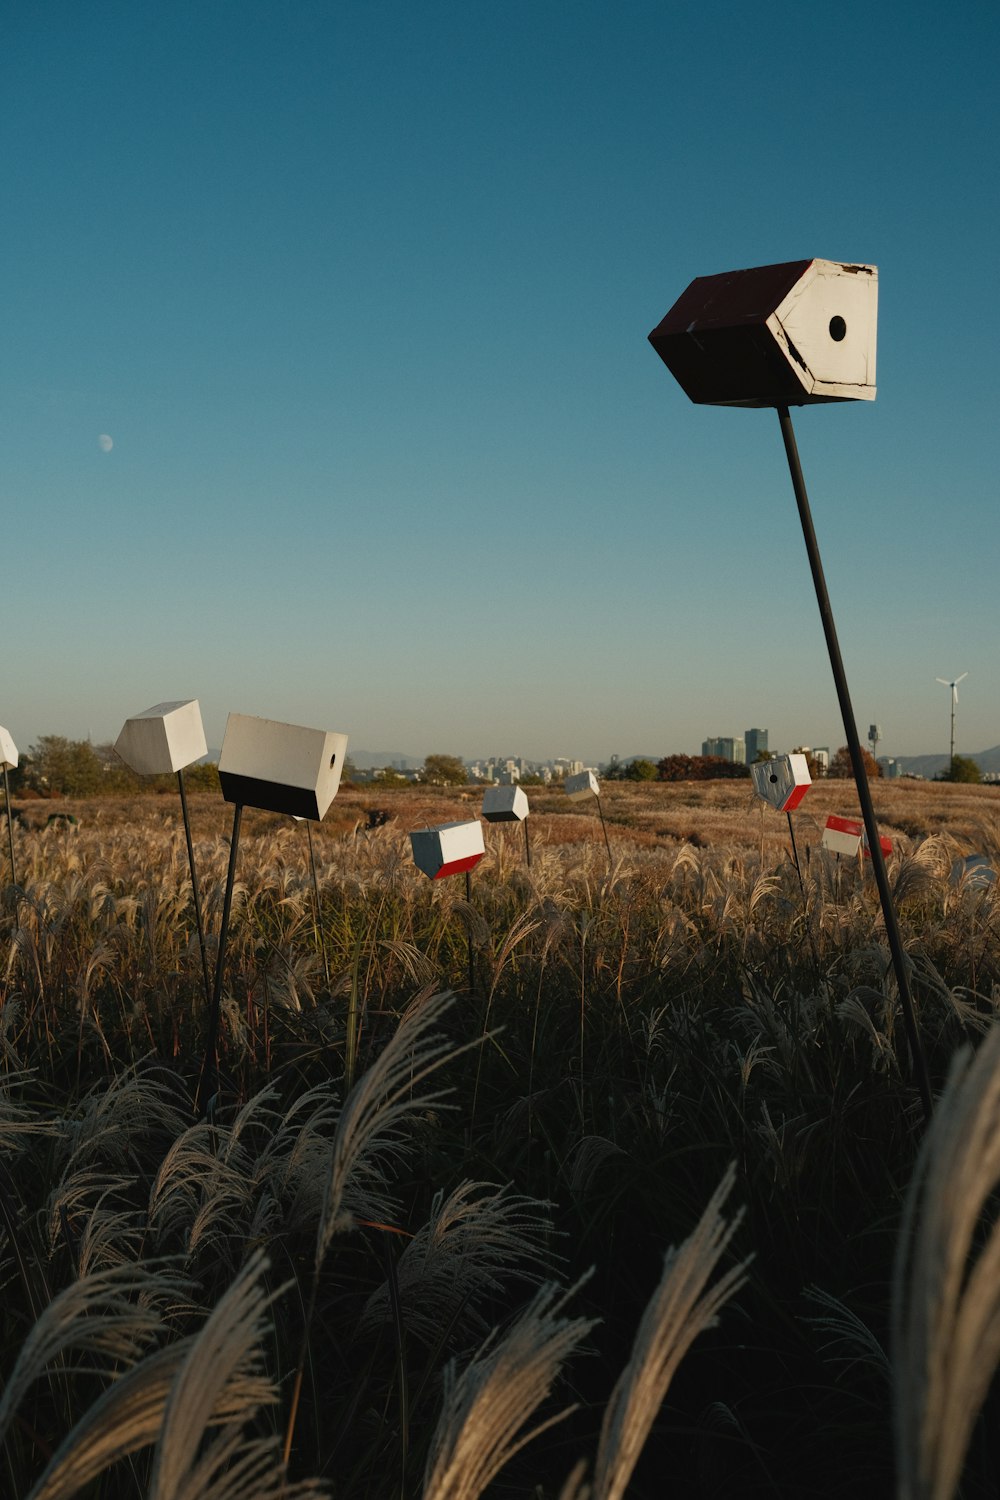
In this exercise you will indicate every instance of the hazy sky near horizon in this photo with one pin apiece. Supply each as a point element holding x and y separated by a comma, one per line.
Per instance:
<point>325,392</point>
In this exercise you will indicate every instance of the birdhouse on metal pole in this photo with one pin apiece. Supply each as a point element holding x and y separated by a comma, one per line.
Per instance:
<point>787,335</point>
<point>505,804</point>
<point>581,786</point>
<point>447,849</point>
<point>163,739</point>
<point>783,781</point>
<point>8,751</point>
<point>794,334</point>
<point>8,762</point>
<point>282,768</point>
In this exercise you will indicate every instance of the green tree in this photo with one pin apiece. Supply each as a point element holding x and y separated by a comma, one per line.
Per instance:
<point>640,770</point>
<point>203,777</point>
<point>69,767</point>
<point>961,769</point>
<point>444,770</point>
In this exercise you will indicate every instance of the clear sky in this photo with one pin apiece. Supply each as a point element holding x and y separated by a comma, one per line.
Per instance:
<point>325,392</point>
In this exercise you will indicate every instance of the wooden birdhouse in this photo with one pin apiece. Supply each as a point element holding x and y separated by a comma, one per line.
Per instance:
<point>785,335</point>
<point>282,768</point>
<point>581,786</point>
<point>163,739</point>
<point>448,849</point>
<point>783,781</point>
<point>8,751</point>
<point>505,804</point>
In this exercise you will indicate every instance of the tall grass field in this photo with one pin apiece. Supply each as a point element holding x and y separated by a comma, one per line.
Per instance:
<point>612,1180</point>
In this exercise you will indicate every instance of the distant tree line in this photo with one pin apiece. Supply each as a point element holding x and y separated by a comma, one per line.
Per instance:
<point>60,767</point>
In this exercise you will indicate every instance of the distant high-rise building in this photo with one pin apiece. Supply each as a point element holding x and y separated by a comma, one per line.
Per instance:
<point>755,741</point>
<point>727,749</point>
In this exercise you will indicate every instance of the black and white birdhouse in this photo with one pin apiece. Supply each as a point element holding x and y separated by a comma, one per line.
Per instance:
<point>282,768</point>
<point>582,785</point>
<point>785,335</point>
<point>505,804</point>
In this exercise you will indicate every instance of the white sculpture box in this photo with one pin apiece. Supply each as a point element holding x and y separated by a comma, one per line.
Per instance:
<point>584,784</point>
<point>783,781</point>
<point>505,804</point>
<point>163,739</point>
<point>8,752</point>
<point>448,849</point>
<point>282,768</point>
<point>785,335</point>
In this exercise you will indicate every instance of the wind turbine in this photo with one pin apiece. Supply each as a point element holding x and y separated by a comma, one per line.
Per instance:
<point>954,699</point>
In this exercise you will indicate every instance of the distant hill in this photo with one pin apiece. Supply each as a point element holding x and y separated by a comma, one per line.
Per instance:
<point>931,765</point>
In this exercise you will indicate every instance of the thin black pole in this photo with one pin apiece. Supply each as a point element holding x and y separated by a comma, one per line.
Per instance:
<point>917,1060</point>
<point>195,891</point>
<point>472,961</point>
<point>795,852</point>
<point>604,827</point>
<point>316,904</point>
<point>209,1082</point>
<point>10,825</point>
<point>527,844</point>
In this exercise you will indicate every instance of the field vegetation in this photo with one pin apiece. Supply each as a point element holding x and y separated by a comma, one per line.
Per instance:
<point>650,1207</point>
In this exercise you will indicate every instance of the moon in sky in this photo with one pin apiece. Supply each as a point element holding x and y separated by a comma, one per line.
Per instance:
<point>105,443</point>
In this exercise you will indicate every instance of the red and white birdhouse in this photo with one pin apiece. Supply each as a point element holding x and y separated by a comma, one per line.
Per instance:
<point>163,739</point>
<point>505,804</point>
<point>448,849</point>
<point>282,768</point>
<point>848,836</point>
<point>843,835</point>
<point>581,786</point>
<point>8,751</point>
<point>785,335</point>
<point>783,781</point>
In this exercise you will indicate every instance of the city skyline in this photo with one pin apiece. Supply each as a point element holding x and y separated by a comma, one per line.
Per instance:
<point>327,396</point>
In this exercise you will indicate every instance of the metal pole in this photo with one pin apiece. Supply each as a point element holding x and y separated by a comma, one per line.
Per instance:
<point>795,852</point>
<point>10,826</point>
<point>472,961</point>
<point>195,891</point>
<point>527,844</point>
<point>951,758</point>
<point>208,1084</point>
<point>604,826</point>
<point>316,903</point>
<point>917,1060</point>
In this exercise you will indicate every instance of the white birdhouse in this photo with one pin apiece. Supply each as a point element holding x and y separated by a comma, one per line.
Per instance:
<point>8,751</point>
<point>282,768</point>
<point>163,739</point>
<point>448,849</point>
<point>785,335</point>
<point>783,781</point>
<point>584,784</point>
<point>505,804</point>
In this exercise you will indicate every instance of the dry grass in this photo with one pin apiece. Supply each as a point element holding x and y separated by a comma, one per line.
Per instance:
<point>419,1158</point>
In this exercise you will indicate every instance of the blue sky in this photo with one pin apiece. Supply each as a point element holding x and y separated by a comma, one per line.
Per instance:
<point>360,294</point>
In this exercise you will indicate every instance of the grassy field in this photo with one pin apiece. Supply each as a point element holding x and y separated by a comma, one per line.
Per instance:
<point>659,1173</point>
